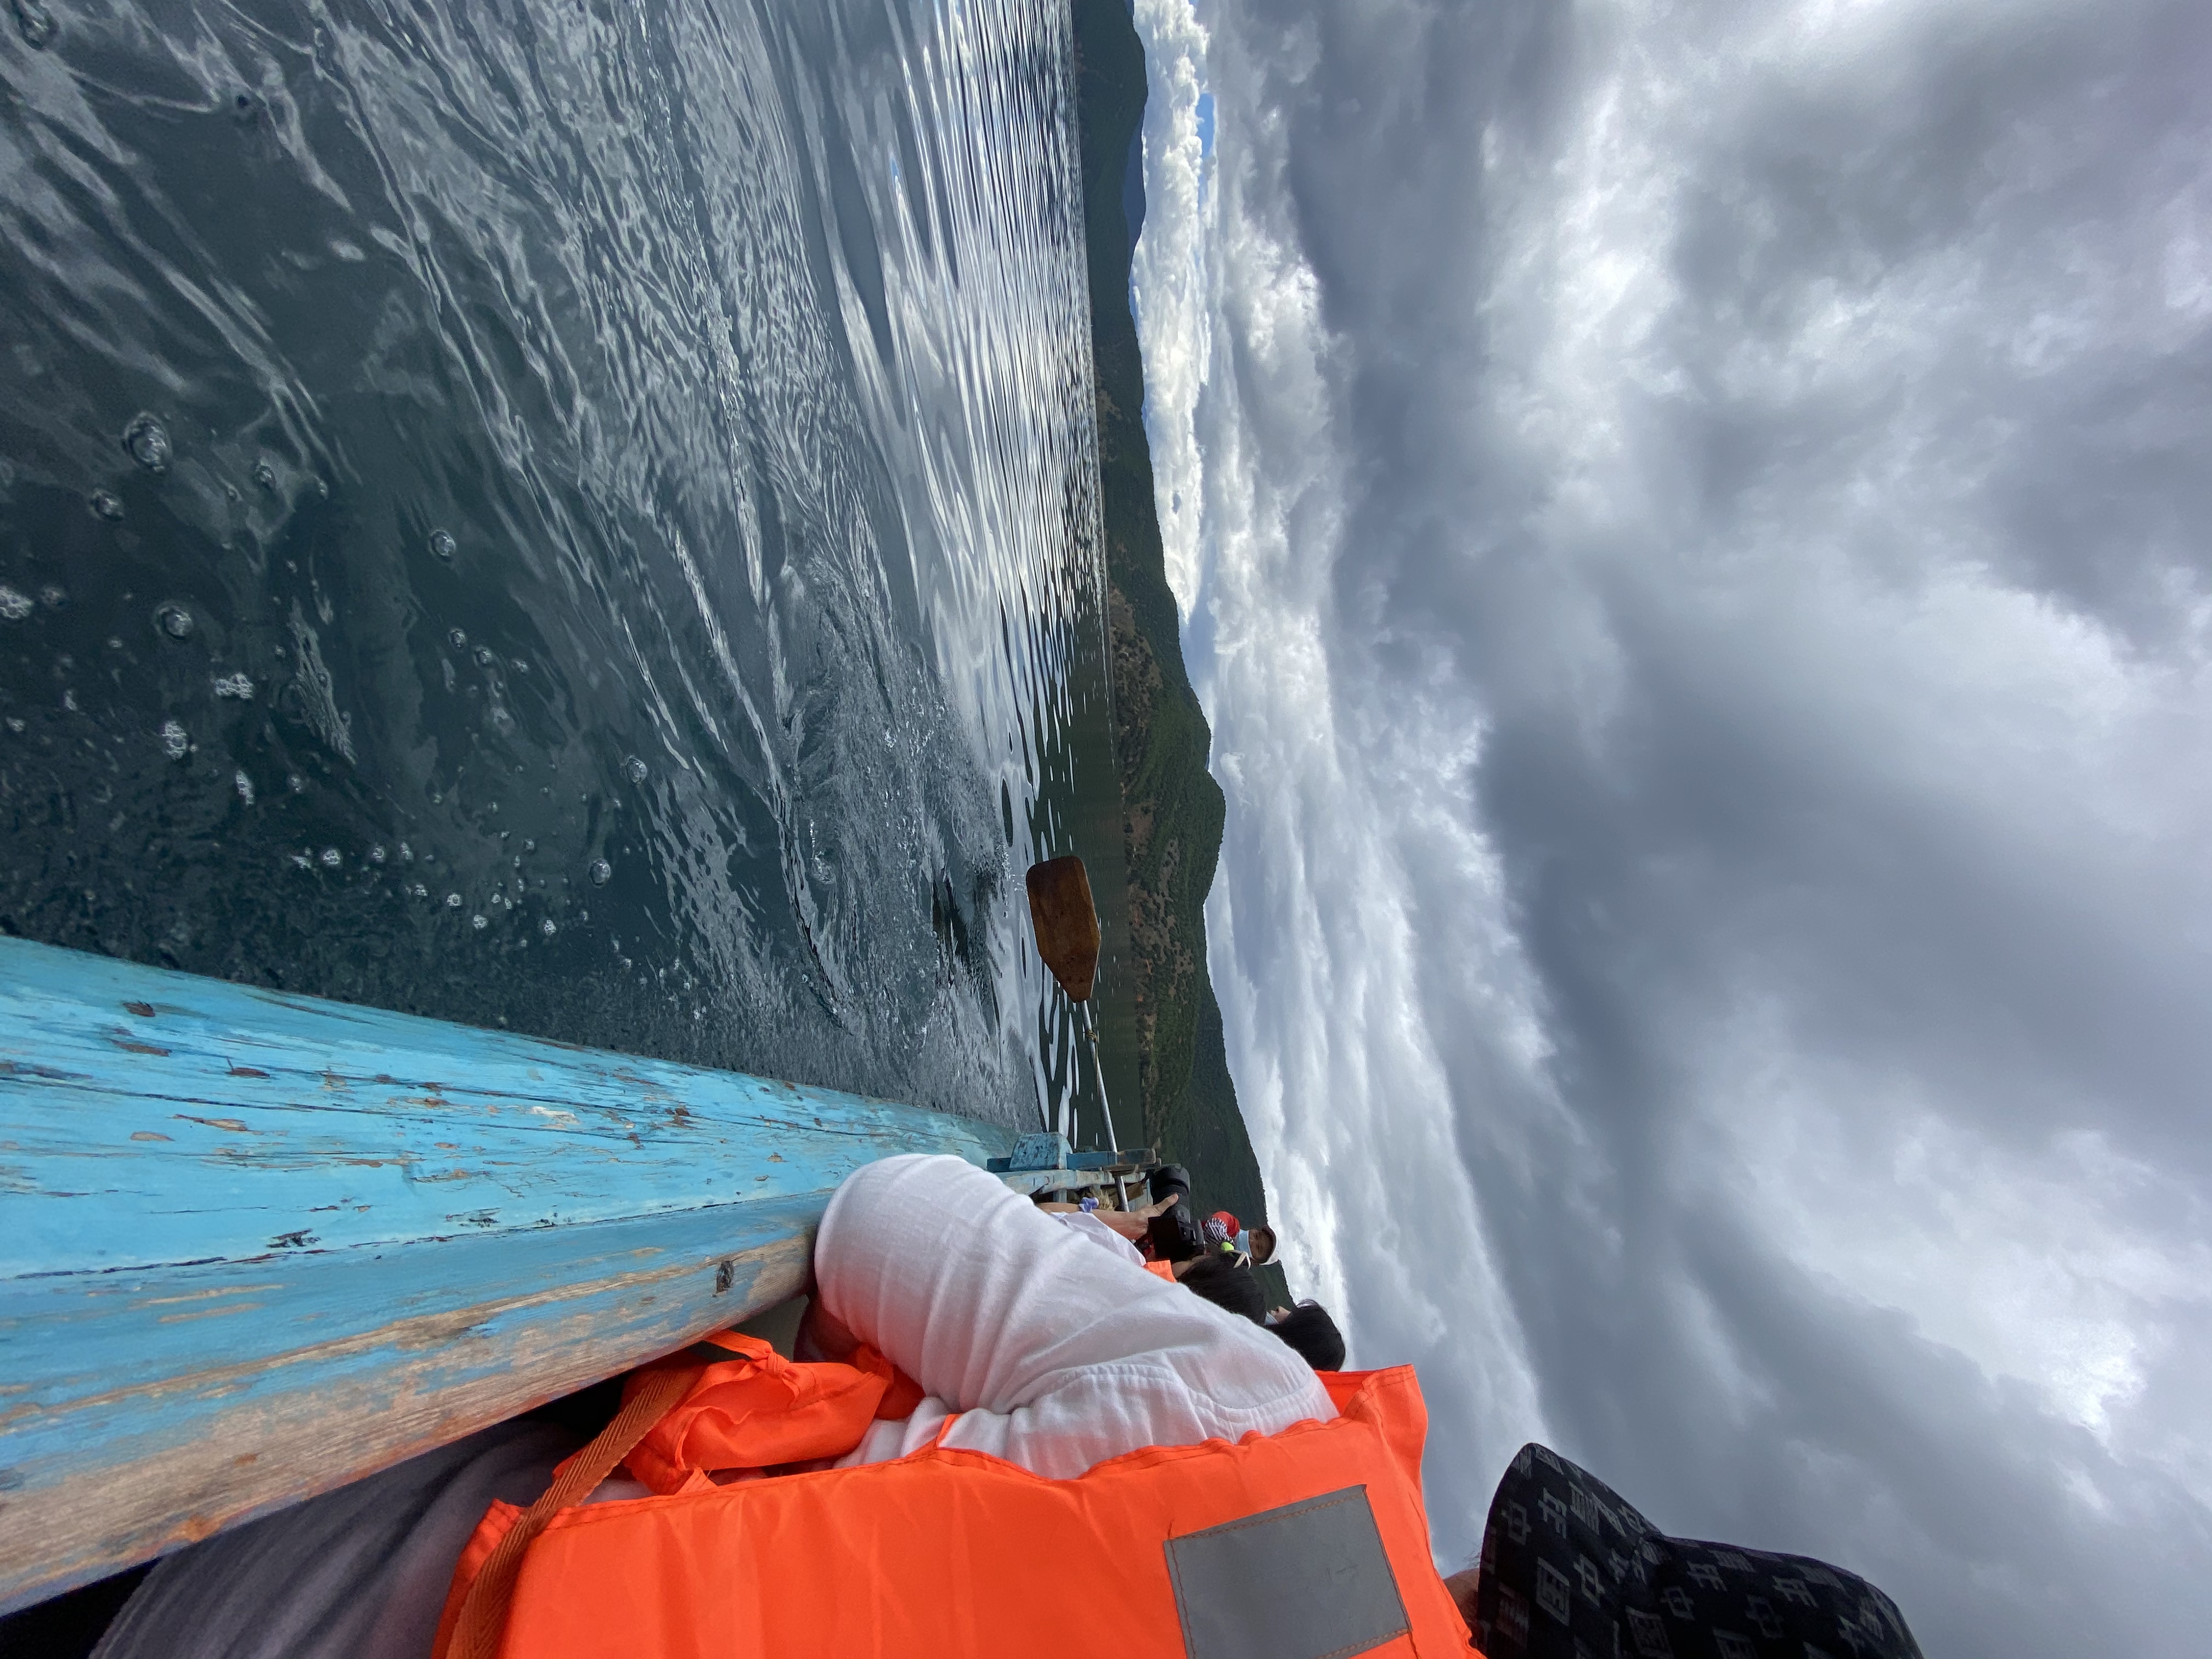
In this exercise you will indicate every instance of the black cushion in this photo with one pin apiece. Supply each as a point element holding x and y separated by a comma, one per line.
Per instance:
<point>1570,1571</point>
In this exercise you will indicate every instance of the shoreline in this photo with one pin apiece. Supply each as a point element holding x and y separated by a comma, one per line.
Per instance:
<point>1173,810</point>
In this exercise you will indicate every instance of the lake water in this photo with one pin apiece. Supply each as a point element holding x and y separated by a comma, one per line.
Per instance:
<point>575,517</point>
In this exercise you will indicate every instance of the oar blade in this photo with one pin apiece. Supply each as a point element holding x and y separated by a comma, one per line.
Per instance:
<point>1066,923</point>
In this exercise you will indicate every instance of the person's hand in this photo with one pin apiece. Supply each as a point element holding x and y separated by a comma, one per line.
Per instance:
<point>1464,1587</point>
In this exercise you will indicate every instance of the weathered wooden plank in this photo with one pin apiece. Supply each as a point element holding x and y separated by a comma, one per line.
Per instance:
<point>1045,1151</point>
<point>1129,1159</point>
<point>254,1246</point>
<point>1029,1182</point>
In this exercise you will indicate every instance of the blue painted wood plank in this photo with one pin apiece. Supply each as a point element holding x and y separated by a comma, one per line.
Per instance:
<point>1029,1182</point>
<point>1129,1158</point>
<point>254,1245</point>
<point>1045,1150</point>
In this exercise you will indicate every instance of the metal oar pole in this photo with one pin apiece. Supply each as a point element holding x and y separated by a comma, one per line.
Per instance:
<point>1067,926</point>
<point>1105,1106</point>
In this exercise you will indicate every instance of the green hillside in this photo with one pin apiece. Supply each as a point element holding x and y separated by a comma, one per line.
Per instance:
<point>1172,808</point>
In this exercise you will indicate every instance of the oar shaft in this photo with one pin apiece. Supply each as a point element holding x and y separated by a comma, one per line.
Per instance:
<point>1099,1067</point>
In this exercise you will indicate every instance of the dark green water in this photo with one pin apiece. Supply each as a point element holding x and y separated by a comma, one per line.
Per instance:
<point>571,516</point>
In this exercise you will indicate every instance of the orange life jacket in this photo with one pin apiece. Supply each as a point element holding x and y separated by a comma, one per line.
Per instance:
<point>1307,1544</point>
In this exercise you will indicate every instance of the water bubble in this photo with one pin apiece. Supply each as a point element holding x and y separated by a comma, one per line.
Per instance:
<point>453,901</point>
<point>633,769</point>
<point>295,783</point>
<point>376,854</point>
<point>529,846</point>
<point>15,725</point>
<point>547,927</point>
<point>520,667</point>
<point>235,686</point>
<point>69,699</point>
<point>175,743</point>
<point>147,442</point>
<point>457,640</point>
<point>484,657</point>
<point>602,872</point>
<point>53,596</point>
<point>406,854</point>
<point>443,546</point>
<point>300,860</point>
<point>14,606</point>
<point>265,475</point>
<point>107,505</point>
<point>174,620</point>
<point>479,923</point>
<point>34,22</point>
<point>420,890</point>
<point>243,785</point>
<point>333,858</point>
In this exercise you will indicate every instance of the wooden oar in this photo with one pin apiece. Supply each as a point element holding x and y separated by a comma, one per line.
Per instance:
<point>1066,923</point>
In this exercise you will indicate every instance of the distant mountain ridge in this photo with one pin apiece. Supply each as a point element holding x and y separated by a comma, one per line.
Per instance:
<point>1172,809</point>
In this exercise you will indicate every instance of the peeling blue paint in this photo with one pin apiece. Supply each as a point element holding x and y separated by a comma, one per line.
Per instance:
<point>254,1245</point>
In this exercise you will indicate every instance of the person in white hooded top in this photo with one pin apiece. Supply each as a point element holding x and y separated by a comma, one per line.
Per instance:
<point>1055,1353</point>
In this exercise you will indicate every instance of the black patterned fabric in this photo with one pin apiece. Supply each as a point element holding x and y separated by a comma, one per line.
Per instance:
<point>1569,1572</point>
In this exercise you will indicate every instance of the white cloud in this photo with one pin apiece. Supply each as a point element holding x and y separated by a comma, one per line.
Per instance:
<point>1356,1138</point>
<point>2052,1264</point>
<point>1698,577</point>
<point>1168,278</point>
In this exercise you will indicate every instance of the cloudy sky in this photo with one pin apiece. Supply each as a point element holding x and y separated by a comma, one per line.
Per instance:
<point>1695,530</point>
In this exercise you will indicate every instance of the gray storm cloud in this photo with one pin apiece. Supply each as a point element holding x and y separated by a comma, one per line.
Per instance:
<point>1695,528</point>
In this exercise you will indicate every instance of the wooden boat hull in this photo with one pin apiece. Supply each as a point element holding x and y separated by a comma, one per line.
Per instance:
<point>255,1245</point>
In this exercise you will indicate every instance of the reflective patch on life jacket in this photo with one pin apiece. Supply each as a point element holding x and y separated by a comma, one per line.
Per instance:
<point>1307,1581</point>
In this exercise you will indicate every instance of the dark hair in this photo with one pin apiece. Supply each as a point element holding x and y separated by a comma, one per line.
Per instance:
<point>1308,1328</point>
<point>1224,1284</point>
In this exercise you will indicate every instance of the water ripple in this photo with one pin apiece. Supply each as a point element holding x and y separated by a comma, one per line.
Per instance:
<point>646,460</point>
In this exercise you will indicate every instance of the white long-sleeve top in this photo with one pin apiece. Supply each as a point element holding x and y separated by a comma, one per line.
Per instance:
<point>1055,1354</point>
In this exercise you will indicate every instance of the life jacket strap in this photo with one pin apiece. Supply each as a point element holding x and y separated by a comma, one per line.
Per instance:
<point>483,1614</point>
